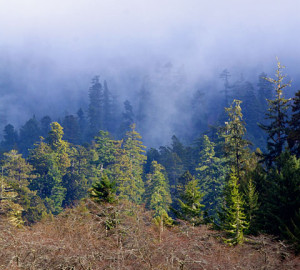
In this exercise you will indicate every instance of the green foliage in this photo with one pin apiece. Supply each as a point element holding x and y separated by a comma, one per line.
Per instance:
<point>16,169</point>
<point>71,129</point>
<point>103,191</point>
<point>127,118</point>
<point>157,195</point>
<point>55,200</point>
<point>251,206</point>
<point>280,195</point>
<point>211,172</point>
<point>106,149</point>
<point>29,134</point>
<point>233,216</point>
<point>173,165</point>
<point>79,176</point>
<point>51,161</point>
<point>9,208</point>
<point>190,203</point>
<point>294,126</point>
<point>33,208</point>
<point>293,231</point>
<point>134,149</point>
<point>235,146</point>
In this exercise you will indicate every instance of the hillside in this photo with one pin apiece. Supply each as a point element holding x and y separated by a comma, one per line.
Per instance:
<point>80,238</point>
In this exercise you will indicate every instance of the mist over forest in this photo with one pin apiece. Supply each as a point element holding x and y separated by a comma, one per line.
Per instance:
<point>175,51</point>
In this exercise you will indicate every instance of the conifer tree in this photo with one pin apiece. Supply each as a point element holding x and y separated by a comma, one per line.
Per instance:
<point>233,218</point>
<point>127,119</point>
<point>145,104</point>
<point>29,134</point>
<point>10,138</point>
<point>51,161</point>
<point>9,209</point>
<point>105,147</point>
<point>277,118</point>
<point>95,110</point>
<point>265,89</point>
<point>71,129</point>
<point>211,172</point>
<point>107,109</point>
<point>251,206</point>
<point>17,170</point>
<point>294,126</point>
<point>82,123</point>
<point>182,181</point>
<point>173,165</point>
<point>280,196</point>
<point>158,196</point>
<point>225,75</point>
<point>235,146</point>
<point>134,149</point>
<point>190,207</point>
<point>17,173</point>
<point>45,125</point>
<point>120,172</point>
<point>79,176</point>
<point>103,190</point>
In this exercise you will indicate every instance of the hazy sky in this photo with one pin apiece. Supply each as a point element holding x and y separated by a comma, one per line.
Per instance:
<point>191,32</point>
<point>56,46</point>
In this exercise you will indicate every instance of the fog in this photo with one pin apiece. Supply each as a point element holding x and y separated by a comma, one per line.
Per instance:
<point>50,50</point>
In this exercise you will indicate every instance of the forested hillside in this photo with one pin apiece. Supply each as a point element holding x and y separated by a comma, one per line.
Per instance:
<point>218,191</point>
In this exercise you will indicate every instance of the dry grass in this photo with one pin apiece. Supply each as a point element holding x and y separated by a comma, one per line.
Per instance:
<point>80,239</point>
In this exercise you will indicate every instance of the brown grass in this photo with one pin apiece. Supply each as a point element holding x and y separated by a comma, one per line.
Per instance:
<point>80,239</point>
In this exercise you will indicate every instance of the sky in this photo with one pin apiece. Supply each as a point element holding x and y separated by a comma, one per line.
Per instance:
<point>191,32</point>
<point>54,47</point>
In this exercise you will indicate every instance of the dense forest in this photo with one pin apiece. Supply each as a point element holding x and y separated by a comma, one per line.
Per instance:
<point>233,167</point>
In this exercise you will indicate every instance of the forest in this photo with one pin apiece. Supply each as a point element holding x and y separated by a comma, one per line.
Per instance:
<point>228,181</point>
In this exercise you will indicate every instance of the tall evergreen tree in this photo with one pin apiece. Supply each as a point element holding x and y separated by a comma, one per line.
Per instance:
<point>18,174</point>
<point>144,107</point>
<point>121,172</point>
<point>10,138</point>
<point>106,149</point>
<point>82,123</point>
<point>45,125</point>
<point>79,176</point>
<point>51,161</point>
<point>173,166</point>
<point>134,149</point>
<point>107,109</point>
<point>71,129</point>
<point>95,111</point>
<point>265,89</point>
<point>235,146</point>
<point>225,76</point>
<point>277,117</point>
<point>211,172</point>
<point>294,126</point>
<point>158,196</point>
<point>127,118</point>
<point>29,134</point>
